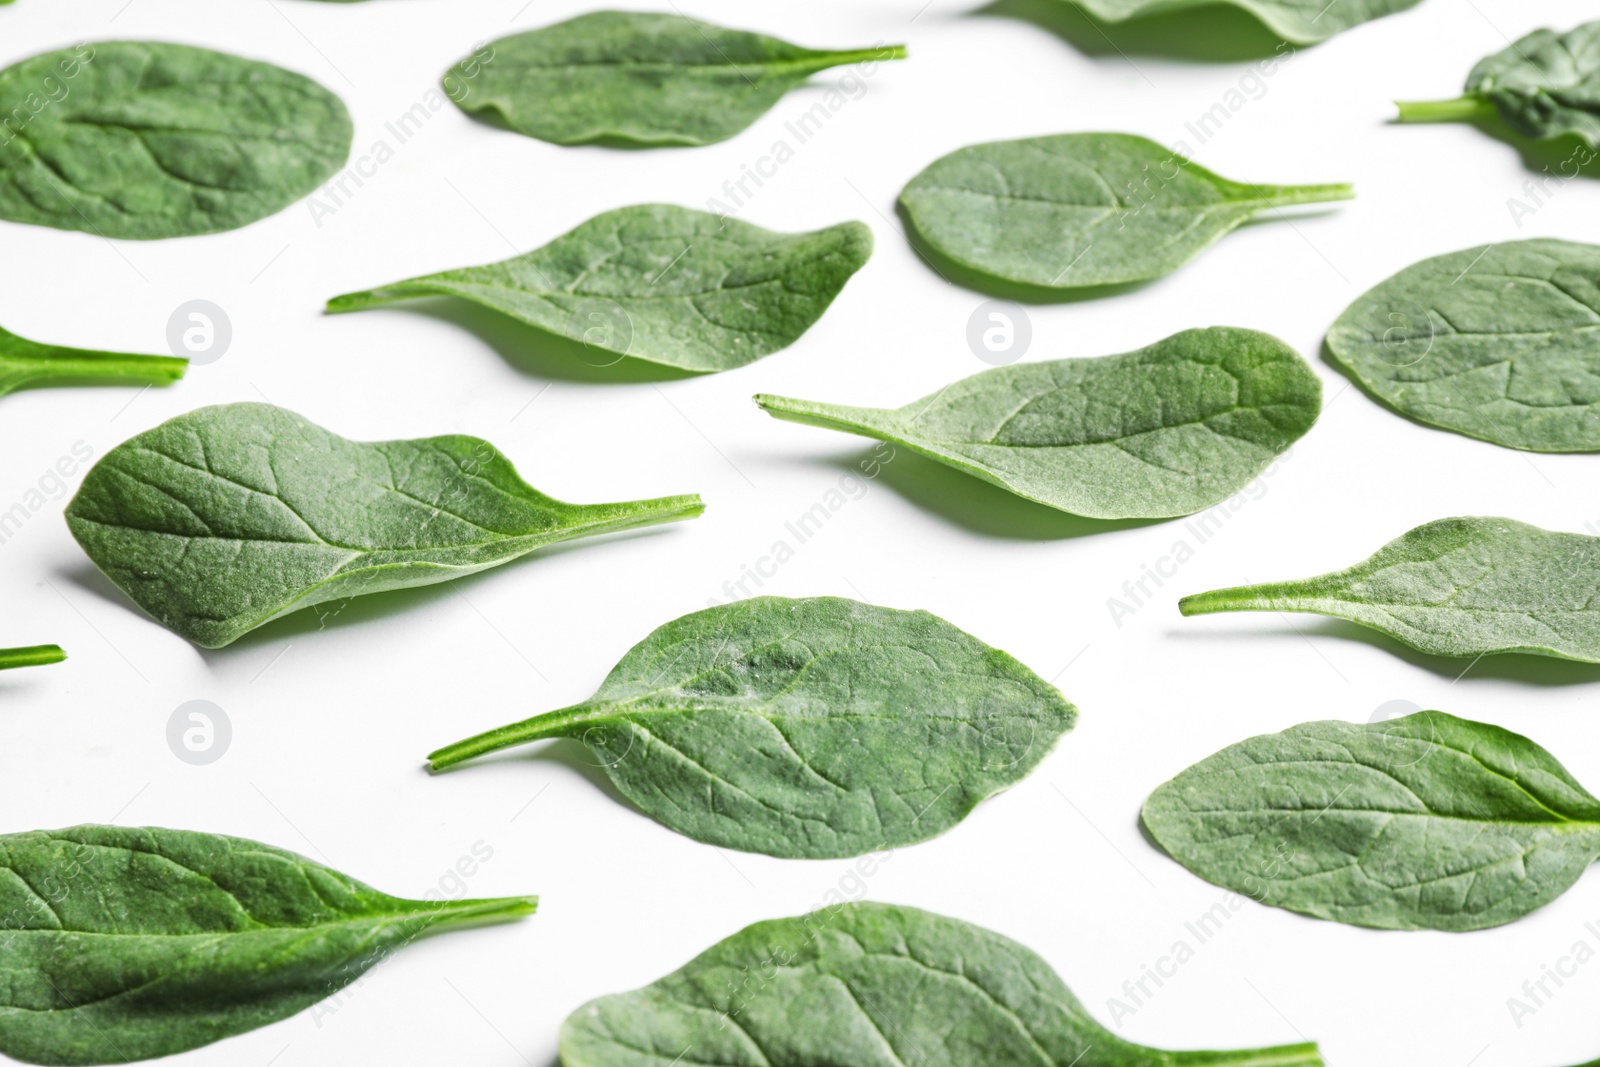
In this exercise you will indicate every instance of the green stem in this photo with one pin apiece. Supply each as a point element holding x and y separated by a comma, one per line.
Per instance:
<point>459,913</point>
<point>1279,195</point>
<point>1238,598</point>
<point>32,656</point>
<point>1303,1055</point>
<point>864,421</point>
<point>565,722</point>
<point>609,518</point>
<point>30,363</point>
<point>1461,109</point>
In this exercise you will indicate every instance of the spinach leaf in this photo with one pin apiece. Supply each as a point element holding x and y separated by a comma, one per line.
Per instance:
<point>1454,587</point>
<point>145,140</point>
<point>810,728</point>
<point>638,78</point>
<point>1082,209</point>
<point>121,944</point>
<point>1299,21</point>
<point>867,983</point>
<point>693,290</point>
<point>225,518</point>
<point>23,361</point>
<point>1168,430</point>
<point>1499,342</point>
<point>32,656</point>
<point>1544,85</point>
<point>1428,822</point>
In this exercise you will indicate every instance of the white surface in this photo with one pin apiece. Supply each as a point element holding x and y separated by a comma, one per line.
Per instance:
<point>330,726</point>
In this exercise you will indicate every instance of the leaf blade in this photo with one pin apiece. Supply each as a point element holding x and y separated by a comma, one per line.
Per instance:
<point>637,78</point>
<point>1082,210</point>
<point>148,942</point>
<point>814,728</point>
<point>155,140</point>
<point>1163,431</point>
<point>887,983</point>
<point>693,290</point>
<point>1299,21</point>
<point>1453,587</point>
<point>228,517</point>
<point>1425,822</point>
<point>1500,343</point>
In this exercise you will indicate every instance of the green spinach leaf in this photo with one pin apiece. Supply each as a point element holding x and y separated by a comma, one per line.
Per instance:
<point>862,984</point>
<point>1544,85</point>
<point>145,140</point>
<point>225,518</point>
<point>810,728</point>
<point>121,944</point>
<point>1299,21</point>
<point>1454,587</point>
<point>1427,822</point>
<point>1499,342</point>
<point>23,361</point>
<point>638,78</point>
<point>32,656</point>
<point>660,283</point>
<point>1168,430</point>
<point>1082,209</point>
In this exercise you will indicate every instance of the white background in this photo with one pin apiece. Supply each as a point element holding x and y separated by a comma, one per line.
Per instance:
<point>330,725</point>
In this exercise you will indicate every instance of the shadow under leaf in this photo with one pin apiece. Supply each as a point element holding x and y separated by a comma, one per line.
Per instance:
<point>537,352</point>
<point>975,505</point>
<point>1213,33</point>
<point>1525,668</point>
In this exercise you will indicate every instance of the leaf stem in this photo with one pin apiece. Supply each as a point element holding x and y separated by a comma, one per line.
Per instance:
<point>32,656</point>
<point>1302,1055</point>
<point>561,723</point>
<point>609,518</point>
<point>50,362</point>
<point>1461,109</point>
<point>458,913</point>
<point>828,416</point>
<point>1279,195</point>
<point>1237,598</point>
